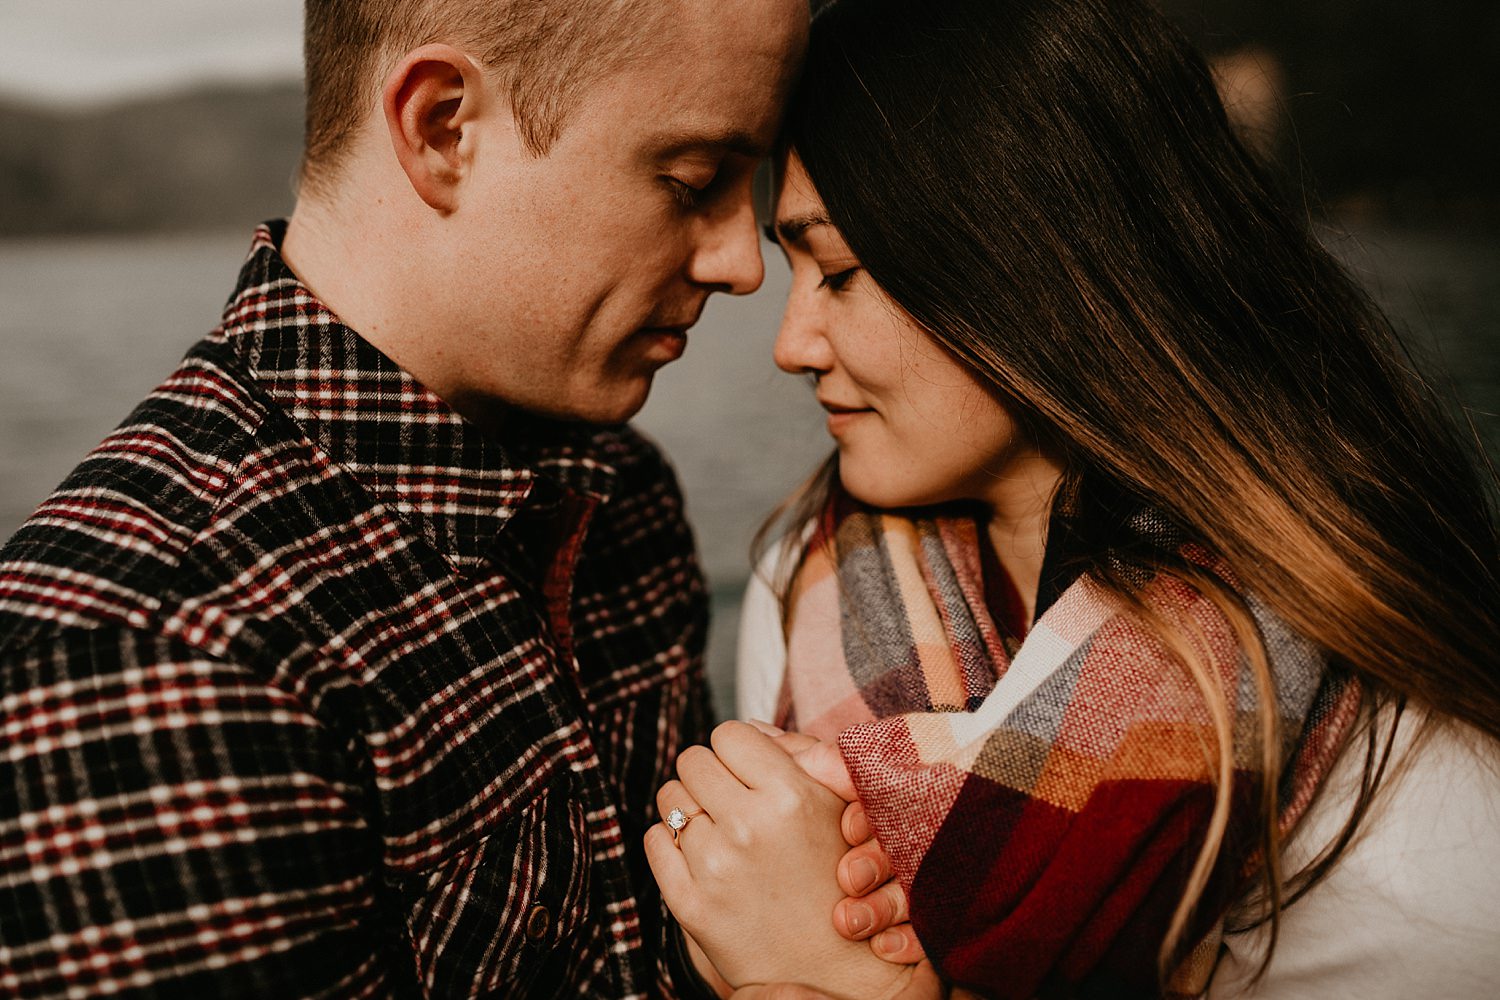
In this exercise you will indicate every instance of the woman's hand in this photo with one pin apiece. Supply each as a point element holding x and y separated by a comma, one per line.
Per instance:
<point>752,875</point>
<point>924,985</point>
<point>874,907</point>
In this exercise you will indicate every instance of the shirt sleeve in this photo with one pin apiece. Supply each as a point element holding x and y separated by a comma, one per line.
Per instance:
<point>760,662</point>
<point>169,823</point>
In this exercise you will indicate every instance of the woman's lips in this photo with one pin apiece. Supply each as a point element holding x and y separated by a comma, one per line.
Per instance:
<point>841,418</point>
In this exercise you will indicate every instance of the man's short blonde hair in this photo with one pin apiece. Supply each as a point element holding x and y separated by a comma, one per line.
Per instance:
<point>550,52</point>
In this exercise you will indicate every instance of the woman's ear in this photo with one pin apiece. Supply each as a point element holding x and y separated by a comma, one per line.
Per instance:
<point>428,99</point>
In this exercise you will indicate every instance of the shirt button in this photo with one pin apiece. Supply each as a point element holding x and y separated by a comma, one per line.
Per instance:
<point>538,923</point>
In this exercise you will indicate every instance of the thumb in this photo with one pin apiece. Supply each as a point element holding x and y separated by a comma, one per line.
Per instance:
<point>824,764</point>
<point>790,742</point>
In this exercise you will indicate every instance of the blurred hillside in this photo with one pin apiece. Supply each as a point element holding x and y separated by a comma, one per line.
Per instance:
<point>205,159</point>
<point>1386,114</point>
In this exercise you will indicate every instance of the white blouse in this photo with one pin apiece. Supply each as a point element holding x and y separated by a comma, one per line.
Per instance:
<point>1412,907</point>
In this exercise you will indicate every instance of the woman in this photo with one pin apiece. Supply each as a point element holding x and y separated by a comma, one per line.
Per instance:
<point>1150,597</point>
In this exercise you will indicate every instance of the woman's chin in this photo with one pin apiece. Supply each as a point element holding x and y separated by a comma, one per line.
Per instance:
<point>884,491</point>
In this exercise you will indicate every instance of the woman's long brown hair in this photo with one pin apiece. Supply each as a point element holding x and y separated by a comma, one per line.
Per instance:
<point>1051,188</point>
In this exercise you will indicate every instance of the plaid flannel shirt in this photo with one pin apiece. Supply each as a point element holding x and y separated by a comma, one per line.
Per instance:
<point>310,688</point>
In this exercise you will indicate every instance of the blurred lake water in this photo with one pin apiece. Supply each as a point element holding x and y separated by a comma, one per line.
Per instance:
<point>89,325</point>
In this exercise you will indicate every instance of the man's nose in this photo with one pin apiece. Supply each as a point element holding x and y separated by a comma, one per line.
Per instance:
<point>728,253</point>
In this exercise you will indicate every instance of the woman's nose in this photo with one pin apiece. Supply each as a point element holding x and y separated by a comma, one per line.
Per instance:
<point>801,344</point>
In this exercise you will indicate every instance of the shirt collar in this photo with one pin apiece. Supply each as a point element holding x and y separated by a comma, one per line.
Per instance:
<point>456,484</point>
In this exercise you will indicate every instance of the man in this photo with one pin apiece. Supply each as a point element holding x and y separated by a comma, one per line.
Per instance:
<point>351,662</point>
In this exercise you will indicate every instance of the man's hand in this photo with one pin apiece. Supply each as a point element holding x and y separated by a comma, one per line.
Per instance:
<point>875,905</point>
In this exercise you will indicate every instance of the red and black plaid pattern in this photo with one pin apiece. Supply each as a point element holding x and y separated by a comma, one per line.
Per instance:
<point>309,688</point>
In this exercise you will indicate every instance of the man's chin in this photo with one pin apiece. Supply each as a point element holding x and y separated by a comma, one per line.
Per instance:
<point>614,402</point>
<point>605,405</point>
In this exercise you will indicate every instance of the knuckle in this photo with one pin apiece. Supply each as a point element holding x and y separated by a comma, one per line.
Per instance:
<point>716,866</point>
<point>782,801</point>
<point>694,757</point>
<point>740,835</point>
<point>668,794</point>
<point>731,730</point>
<point>728,737</point>
<point>896,898</point>
<point>881,905</point>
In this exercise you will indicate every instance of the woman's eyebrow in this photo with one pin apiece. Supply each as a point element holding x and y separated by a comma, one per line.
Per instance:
<point>791,230</point>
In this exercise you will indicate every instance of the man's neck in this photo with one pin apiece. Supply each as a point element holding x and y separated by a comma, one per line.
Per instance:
<point>335,262</point>
<point>342,249</point>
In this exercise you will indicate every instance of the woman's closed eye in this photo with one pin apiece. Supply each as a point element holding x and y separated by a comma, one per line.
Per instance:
<point>836,280</point>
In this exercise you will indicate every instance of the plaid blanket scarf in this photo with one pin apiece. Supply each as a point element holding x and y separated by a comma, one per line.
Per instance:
<point>1043,812</point>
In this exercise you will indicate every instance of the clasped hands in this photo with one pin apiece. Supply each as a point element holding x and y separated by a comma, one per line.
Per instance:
<point>776,877</point>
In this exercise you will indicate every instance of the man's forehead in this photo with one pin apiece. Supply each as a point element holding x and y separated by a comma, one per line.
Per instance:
<point>769,24</point>
<point>715,80</point>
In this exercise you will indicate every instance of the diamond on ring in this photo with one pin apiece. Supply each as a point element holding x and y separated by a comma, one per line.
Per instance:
<point>677,819</point>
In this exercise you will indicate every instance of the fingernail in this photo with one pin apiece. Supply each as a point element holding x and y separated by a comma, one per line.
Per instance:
<point>889,942</point>
<point>862,875</point>
<point>861,918</point>
<point>856,825</point>
<point>766,727</point>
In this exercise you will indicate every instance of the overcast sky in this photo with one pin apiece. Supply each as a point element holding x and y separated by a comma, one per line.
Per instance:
<point>70,52</point>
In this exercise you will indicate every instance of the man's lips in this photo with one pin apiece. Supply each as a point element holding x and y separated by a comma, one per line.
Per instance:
<point>664,343</point>
<point>677,325</point>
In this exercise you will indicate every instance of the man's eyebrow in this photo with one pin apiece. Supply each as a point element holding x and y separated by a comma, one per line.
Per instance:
<point>731,140</point>
<point>791,230</point>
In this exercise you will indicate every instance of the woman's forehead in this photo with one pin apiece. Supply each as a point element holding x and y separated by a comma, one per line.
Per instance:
<point>798,206</point>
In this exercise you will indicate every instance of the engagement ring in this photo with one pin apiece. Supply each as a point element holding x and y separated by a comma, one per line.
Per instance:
<point>677,819</point>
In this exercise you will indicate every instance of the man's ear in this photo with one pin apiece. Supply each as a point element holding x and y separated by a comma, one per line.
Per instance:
<point>429,98</point>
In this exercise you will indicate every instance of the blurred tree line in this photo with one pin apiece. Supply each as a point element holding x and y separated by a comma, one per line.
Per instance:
<point>216,157</point>
<point>1389,111</point>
